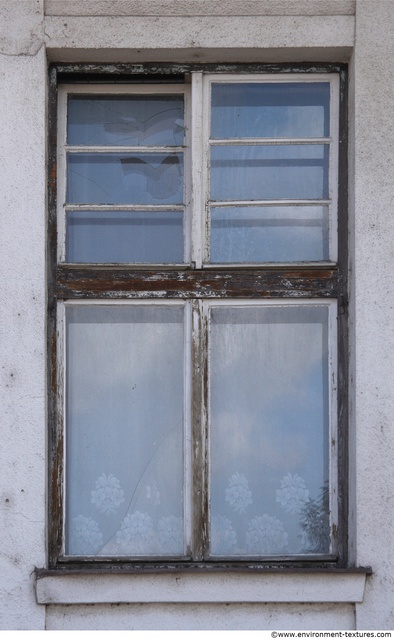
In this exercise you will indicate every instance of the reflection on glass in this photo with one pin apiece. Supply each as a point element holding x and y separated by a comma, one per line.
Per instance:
<point>124,236</point>
<point>269,234</point>
<point>125,120</point>
<point>124,426</point>
<point>270,110</point>
<point>254,172</point>
<point>147,178</point>
<point>269,430</point>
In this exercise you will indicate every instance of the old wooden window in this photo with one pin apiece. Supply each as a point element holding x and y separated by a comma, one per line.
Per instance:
<point>197,293</point>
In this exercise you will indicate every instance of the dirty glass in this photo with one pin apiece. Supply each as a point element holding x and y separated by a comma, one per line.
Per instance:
<point>124,430</point>
<point>125,120</point>
<point>146,178</point>
<point>269,172</point>
<point>269,234</point>
<point>269,412</point>
<point>124,236</point>
<point>270,110</point>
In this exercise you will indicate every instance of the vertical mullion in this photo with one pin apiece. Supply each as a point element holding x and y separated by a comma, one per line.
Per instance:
<point>199,382</point>
<point>205,328</point>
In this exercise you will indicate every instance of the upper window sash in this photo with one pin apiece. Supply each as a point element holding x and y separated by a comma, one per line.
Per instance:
<point>253,182</point>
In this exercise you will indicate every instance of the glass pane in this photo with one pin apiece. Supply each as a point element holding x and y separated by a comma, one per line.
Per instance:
<point>125,120</point>
<point>124,430</point>
<point>269,430</point>
<point>271,172</point>
<point>269,234</point>
<point>270,110</point>
<point>124,236</point>
<point>149,178</point>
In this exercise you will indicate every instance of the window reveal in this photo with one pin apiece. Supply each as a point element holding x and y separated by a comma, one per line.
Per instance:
<point>198,263</point>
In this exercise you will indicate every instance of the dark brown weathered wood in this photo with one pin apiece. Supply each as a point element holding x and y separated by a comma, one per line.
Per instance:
<point>343,329</point>
<point>55,434</point>
<point>91,282</point>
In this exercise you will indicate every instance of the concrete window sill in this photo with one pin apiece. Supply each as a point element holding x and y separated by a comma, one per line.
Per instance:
<point>61,587</point>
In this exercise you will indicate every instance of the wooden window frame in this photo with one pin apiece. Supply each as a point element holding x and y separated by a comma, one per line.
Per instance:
<point>199,280</point>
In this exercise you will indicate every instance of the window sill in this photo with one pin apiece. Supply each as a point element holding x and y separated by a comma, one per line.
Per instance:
<point>267,585</point>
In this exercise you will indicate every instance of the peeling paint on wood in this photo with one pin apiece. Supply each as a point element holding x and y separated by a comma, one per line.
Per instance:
<point>204,283</point>
<point>123,72</point>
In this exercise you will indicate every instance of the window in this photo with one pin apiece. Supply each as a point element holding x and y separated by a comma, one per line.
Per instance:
<point>199,330</point>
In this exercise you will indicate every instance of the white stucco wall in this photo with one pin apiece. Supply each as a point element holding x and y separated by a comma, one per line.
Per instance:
<point>22,318</point>
<point>360,32</point>
<point>202,616</point>
<point>372,212</point>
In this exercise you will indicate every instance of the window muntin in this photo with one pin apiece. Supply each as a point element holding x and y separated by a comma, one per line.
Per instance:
<point>200,504</point>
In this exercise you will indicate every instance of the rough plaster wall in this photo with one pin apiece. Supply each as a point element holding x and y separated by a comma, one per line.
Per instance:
<point>22,26</point>
<point>199,30</point>
<point>373,304</point>
<point>199,7</point>
<point>22,315</point>
<point>201,616</point>
<point>199,38</point>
